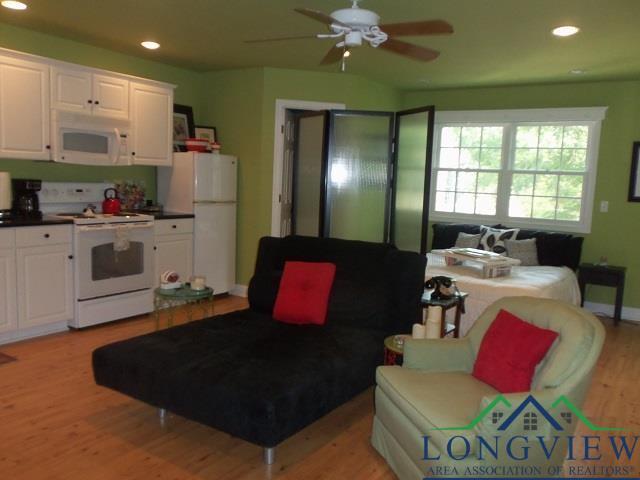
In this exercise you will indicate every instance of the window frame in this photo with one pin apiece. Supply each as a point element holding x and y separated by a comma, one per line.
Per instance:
<point>510,119</point>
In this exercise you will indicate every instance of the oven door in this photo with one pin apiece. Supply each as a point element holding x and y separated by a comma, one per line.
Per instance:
<point>113,258</point>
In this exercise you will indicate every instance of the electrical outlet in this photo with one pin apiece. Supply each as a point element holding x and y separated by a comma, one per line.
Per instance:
<point>604,206</point>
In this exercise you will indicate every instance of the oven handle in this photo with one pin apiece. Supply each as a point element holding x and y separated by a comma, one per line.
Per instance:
<point>130,226</point>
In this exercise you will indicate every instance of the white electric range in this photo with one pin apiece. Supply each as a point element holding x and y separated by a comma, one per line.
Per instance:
<point>113,254</point>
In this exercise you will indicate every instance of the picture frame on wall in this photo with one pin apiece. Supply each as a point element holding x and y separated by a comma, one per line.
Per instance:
<point>183,126</point>
<point>207,133</point>
<point>634,180</point>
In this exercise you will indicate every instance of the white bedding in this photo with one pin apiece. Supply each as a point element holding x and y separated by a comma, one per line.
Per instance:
<point>543,281</point>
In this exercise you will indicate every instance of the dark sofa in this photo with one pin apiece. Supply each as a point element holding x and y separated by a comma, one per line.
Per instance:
<point>554,249</point>
<point>262,380</point>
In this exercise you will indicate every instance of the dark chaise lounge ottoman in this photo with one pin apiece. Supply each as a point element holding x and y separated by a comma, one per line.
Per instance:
<point>262,380</point>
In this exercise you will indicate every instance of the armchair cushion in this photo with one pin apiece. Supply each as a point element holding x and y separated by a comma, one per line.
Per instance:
<point>439,355</point>
<point>435,400</point>
<point>510,351</point>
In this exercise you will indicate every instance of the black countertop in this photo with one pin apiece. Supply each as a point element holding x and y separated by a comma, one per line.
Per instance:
<point>34,222</point>
<point>166,215</point>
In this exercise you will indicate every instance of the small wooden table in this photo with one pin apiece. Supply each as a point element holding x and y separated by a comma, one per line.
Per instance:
<point>606,275</point>
<point>456,301</point>
<point>169,299</point>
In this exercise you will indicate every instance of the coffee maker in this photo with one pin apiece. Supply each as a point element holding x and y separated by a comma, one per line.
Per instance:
<point>25,197</point>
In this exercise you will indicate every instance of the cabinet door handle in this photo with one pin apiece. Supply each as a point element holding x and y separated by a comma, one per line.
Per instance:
<point>46,235</point>
<point>70,257</point>
<point>133,153</point>
<point>174,226</point>
<point>89,101</point>
<point>48,147</point>
<point>155,248</point>
<point>97,102</point>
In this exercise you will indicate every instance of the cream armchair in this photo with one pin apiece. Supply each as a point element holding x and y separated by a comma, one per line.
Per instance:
<point>433,418</point>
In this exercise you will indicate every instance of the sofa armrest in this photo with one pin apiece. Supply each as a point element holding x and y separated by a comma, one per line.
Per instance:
<point>441,355</point>
<point>507,403</point>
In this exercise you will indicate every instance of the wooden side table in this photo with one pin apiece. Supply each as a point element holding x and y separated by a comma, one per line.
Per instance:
<point>456,301</point>
<point>606,275</point>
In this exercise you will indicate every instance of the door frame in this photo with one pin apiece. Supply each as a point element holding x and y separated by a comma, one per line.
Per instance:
<point>278,149</point>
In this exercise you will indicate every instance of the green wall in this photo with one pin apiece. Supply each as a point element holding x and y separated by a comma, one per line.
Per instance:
<point>241,104</point>
<point>613,234</point>
<point>189,92</point>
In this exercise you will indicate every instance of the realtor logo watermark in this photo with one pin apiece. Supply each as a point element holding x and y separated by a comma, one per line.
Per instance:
<point>521,433</point>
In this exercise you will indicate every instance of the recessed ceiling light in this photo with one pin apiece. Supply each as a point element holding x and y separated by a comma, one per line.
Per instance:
<point>577,71</point>
<point>565,31</point>
<point>13,5</point>
<point>150,45</point>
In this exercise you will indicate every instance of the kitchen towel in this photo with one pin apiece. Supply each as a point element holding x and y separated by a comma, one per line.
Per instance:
<point>121,243</point>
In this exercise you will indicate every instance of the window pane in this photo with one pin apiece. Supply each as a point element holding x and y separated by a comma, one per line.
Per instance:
<point>568,209</point>
<point>549,159</point>
<point>575,137</point>
<point>546,185</point>
<point>522,184</point>
<point>445,201</point>
<point>450,137</point>
<point>574,159</point>
<point>491,158</point>
<point>471,136</point>
<point>446,181</point>
<point>449,157</point>
<point>570,186</point>
<point>492,137</point>
<point>465,202</point>
<point>525,159</point>
<point>469,157</point>
<point>487,182</point>
<point>544,207</point>
<point>520,206</point>
<point>466,182</point>
<point>527,137</point>
<point>486,204</point>
<point>550,137</point>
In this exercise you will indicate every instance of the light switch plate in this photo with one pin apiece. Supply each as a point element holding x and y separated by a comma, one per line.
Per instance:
<point>604,206</point>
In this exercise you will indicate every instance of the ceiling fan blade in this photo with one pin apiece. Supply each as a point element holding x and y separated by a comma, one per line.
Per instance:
<point>279,39</point>
<point>320,16</point>
<point>409,50</point>
<point>333,56</point>
<point>426,27</point>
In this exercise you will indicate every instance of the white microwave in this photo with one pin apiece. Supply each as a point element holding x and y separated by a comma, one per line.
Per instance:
<point>89,140</point>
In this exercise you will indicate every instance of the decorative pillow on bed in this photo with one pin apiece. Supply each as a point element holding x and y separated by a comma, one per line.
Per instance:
<point>510,351</point>
<point>303,295</point>
<point>493,239</point>
<point>467,240</point>
<point>524,250</point>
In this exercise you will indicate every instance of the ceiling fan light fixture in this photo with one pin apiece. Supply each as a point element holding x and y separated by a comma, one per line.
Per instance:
<point>150,45</point>
<point>14,5</point>
<point>346,54</point>
<point>577,71</point>
<point>565,30</point>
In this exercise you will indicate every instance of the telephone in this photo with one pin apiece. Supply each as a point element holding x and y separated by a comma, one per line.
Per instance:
<point>443,287</point>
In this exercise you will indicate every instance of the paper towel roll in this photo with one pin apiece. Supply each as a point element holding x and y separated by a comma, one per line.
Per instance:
<point>5,191</point>
<point>418,331</point>
<point>434,319</point>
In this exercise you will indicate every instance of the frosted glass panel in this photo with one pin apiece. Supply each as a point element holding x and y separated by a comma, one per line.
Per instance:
<point>357,182</point>
<point>413,132</point>
<point>308,175</point>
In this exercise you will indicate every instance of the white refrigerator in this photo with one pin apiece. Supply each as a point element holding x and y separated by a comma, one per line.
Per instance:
<point>205,184</point>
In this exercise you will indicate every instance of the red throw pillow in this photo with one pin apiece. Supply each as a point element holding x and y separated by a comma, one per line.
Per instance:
<point>510,351</point>
<point>303,295</point>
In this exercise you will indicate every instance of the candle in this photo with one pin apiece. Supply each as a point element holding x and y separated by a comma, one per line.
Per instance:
<point>418,331</point>
<point>434,319</point>
<point>198,283</point>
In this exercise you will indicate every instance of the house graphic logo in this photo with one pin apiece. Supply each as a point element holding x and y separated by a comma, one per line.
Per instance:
<point>532,411</point>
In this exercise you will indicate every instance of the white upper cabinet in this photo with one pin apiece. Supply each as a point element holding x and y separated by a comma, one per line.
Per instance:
<point>24,109</point>
<point>82,91</point>
<point>151,116</point>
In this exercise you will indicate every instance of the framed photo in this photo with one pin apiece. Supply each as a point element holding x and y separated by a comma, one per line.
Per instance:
<point>634,180</point>
<point>208,133</point>
<point>183,126</point>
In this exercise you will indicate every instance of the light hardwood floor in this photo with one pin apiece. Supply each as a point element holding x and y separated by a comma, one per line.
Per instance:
<point>56,424</point>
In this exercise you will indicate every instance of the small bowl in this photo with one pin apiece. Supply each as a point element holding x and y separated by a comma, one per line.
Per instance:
<point>196,144</point>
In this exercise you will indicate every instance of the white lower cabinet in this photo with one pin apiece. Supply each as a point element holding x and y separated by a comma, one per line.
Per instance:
<point>174,251</point>
<point>8,311</point>
<point>36,281</point>
<point>45,285</point>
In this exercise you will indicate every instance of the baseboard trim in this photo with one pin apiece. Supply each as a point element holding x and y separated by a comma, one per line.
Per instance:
<point>628,313</point>
<point>239,290</point>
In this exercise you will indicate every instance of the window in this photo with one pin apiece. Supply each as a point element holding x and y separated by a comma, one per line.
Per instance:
<point>530,421</point>
<point>520,167</point>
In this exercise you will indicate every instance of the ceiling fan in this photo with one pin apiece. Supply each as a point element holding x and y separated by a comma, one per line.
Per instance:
<point>355,26</point>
